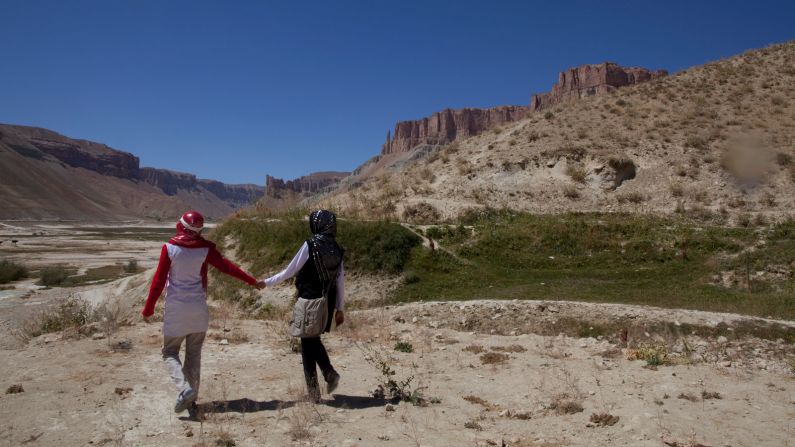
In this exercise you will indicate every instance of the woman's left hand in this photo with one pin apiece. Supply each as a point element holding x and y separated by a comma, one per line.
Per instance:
<point>339,317</point>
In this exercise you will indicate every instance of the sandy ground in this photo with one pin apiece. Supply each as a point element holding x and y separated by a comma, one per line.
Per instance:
<point>81,391</point>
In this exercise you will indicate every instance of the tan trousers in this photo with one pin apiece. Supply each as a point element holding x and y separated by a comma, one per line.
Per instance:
<point>187,375</point>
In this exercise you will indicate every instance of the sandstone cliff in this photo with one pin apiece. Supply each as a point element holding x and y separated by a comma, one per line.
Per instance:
<point>306,185</point>
<point>445,126</point>
<point>592,79</point>
<point>48,175</point>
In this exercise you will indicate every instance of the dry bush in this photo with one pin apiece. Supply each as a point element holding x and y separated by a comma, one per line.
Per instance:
<point>421,213</point>
<point>603,419</point>
<point>565,404</point>
<point>710,395</point>
<point>577,173</point>
<point>631,197</point>
<point>571,192</point>
<point>493,358</point>
<point>475,349</point>
<point>677,190</point>
<point>511,348</point>
<point>482,402</point>
<point>688,396</point>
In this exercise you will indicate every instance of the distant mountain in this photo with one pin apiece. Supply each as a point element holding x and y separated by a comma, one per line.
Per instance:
<point>45,175</point>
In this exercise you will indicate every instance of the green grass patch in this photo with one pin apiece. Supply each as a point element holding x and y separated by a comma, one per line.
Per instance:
<point>494,254</point>
<point>269,244</point>
<point>598,258</point>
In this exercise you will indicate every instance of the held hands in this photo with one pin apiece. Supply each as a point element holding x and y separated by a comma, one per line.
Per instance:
<point>339,317</point>
<point>259,285</point>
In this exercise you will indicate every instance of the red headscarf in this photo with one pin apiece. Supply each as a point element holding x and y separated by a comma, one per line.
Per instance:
<point>189,238</point>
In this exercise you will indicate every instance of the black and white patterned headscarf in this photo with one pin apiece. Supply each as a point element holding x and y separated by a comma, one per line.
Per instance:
<point>326,253</point>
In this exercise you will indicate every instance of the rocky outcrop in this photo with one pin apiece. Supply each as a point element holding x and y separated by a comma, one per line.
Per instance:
<point>170,182</point>
<point>447,125</point>
<point>306,185</point>
<point>235,195</point>
<point>79,153</point>
<point>43,145</point>
<point>589,80</point>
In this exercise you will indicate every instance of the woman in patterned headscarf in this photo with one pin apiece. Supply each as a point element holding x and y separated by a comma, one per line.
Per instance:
<point>323,275</point>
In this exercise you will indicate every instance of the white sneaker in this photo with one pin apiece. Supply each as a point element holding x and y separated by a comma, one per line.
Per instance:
<point>185,398</point>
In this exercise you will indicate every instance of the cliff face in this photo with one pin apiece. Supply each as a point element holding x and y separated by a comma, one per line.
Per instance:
<point>236,195</point>
<point>170,182</point>
<point>306,185</point>
<point>447,125</point>
<point>84,154</point>
<point>49,153</point>
<point>593,79</point>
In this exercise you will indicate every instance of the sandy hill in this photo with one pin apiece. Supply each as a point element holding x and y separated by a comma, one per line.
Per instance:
<point>712,139</point>
<point>45,175</point>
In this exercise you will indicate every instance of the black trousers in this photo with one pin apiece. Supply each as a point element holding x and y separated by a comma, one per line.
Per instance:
<point>314,354</point>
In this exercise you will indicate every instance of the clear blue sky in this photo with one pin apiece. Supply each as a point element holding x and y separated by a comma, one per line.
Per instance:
<point>235,90</point>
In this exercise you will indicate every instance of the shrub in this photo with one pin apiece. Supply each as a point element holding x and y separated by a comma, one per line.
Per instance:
<point>696,142</point>
<point>11,271</point>
<point>549,115</point>
<point>570,191</point>
<point>53,276</point>
<point>70,314</point>
<point>577,173</point>
<point>421,212</point>
<point>631,197</point>
<point>131,266</point>
<point>404,346</point>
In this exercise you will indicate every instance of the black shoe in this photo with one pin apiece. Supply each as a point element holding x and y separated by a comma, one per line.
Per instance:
<point>332,381</point>
<point>195,412</point>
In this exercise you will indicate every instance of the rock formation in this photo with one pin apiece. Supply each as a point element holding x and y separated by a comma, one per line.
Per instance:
<point>121,180</point>
<point>170,182</point>
<point>447,125</point>
<point>306,185</point>
<point>592,79</point>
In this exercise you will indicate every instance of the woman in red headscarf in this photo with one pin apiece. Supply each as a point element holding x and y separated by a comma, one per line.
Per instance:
<point>182,272</point>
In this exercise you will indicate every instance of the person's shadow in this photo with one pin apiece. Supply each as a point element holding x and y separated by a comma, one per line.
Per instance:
<point>246,405</point>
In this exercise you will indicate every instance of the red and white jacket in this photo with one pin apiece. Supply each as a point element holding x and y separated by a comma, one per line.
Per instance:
<point>182,272</point>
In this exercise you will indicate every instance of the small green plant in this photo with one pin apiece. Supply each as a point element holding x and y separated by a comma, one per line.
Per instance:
<point>11,271</point>
<point>404,346</point>
<point>549,115</point>
<point>391,387</point>
<point>654,355</point>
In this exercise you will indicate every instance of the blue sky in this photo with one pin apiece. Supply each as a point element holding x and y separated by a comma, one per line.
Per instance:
<point>235,90</point>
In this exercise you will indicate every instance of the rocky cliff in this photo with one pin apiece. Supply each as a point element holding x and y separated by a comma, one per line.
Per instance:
<point>447,125</point>
<point>592,79</point>
<point>237,196</point>
<point>79,153</point>
<point>111,181</point>
<point>306,185</point>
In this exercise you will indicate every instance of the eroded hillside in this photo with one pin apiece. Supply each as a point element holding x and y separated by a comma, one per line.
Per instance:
<point>715,139</point>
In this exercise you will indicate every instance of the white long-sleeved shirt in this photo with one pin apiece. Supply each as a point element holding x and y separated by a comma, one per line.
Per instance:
<point>295,266</point>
